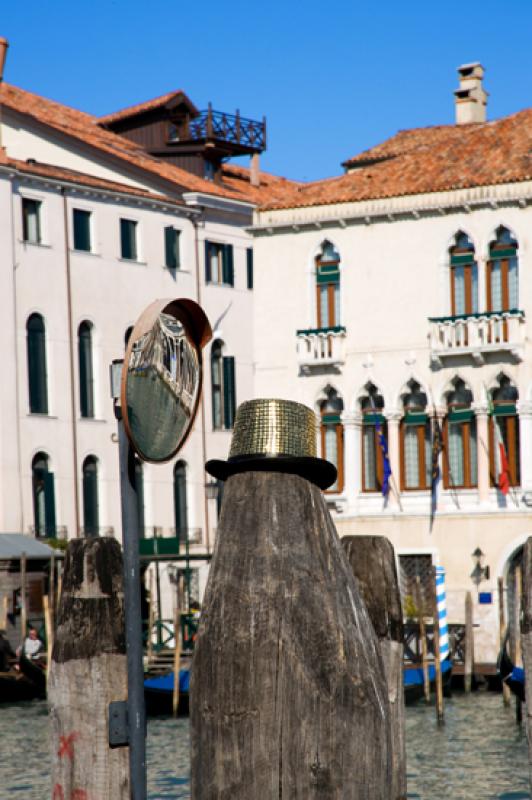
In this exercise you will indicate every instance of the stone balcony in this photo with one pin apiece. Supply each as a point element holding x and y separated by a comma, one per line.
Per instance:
<point>477,335</point>
<point>321,349</point>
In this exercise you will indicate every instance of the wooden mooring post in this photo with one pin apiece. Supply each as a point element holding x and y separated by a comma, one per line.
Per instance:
<point>23,598</point>
<point>502,633</point>
<point>288,691</point>
<point>88,671</point>
<point>372,559</point>
<point>423,638</point>
<point>469,645</point>
<point>516,650</point>
<point>526,643</point>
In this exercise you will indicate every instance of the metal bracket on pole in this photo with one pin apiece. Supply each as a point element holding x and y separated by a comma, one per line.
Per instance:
<point>118,724</point>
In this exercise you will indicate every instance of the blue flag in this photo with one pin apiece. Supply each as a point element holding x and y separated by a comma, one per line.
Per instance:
<point>387,470</point>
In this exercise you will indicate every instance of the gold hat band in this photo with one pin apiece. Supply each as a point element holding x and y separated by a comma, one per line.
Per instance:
<point>274,427</point>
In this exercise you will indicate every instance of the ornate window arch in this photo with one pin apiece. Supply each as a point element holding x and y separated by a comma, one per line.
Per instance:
<point>415,439</point>
<point>372,408</point>
<point>332,434</point>
<point>463,276</point>
<point>327,286</point>
<point>502,277</point>
<point>460,438</point>
<point>504,430</point>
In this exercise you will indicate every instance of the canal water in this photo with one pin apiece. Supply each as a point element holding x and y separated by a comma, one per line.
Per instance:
<point>479,754</point>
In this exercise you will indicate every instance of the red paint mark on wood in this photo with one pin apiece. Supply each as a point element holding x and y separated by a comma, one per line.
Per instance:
<point>66,745</point>
<point>79,794</point>
<point>58,793</point>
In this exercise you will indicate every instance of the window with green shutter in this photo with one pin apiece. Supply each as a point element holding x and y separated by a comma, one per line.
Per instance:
<point>249,267</point>
<point>36,352</point>
<point>128,239</point>
<point>171,247</point>
<point>229,391</point>
<point>180,501</point>
<point>31,220</point>
<point>219,267</point>
<point>43,497</point>
<point>223,391</point>
<point>86,375</point>
<point>91,520</point>
<point>328,287</point>
<point>82,230</point>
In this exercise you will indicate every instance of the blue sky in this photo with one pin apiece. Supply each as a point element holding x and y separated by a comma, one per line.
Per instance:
<point>332,78</point>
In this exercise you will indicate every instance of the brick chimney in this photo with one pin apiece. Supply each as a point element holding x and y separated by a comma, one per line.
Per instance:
<point>470,98</point>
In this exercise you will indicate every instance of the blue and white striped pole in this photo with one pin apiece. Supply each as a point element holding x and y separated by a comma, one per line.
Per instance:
<point>441,601</point>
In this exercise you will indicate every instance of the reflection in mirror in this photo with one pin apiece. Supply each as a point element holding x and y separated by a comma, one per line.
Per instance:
<point>163,385</point>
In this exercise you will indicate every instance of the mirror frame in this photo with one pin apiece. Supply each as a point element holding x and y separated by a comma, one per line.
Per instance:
<point>197,328</point>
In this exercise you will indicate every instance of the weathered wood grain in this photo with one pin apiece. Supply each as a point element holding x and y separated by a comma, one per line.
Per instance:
<point>372,559</point>
<point>526,641</point>
<point>288,695</point>
<point>88,671</point>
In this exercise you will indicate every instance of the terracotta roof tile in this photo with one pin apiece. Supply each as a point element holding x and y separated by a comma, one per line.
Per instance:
<point>85,128</point>
<point>425,160</point>
<point>272,187</point>
<point>80,178</point>
<point>148,105</point>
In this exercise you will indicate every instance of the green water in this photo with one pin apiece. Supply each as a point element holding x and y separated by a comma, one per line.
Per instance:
<point>479,754</point>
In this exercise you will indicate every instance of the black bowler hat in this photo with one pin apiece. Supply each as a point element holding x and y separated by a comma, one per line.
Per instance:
<point>275,436</point>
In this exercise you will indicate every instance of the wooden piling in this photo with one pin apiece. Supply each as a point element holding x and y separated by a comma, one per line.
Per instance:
<point>51,591</point>
<point>517,652</point>
<point>177,660</point>
<point>23,599</point>
<point>502,633</point>
<point>526,635</point>
<point>423,639</point>
<point>88,671</point>
<point>3,612</point>
<point>437,662</point>
<point>372,559</point>
<point>288,692</point>
<point>468,655</point>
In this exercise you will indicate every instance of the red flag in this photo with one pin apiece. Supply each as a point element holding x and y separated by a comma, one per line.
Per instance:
<point>503,468</point>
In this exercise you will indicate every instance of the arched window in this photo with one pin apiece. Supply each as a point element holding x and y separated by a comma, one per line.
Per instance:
<point>222,387</point>
<point>502,279</point>
<point>328,287</point>
<point>332,435</point>
<point>37,379</point>
<point>180,501</point>
<point>91,522</point>
<point>415,439</point>
<point>464,277</point>
<point>460,438</point>
<point>372,406</point>
<point>86,375</point>
<point>43,497</point>
<point>504,431</point>
<point>139,486</point>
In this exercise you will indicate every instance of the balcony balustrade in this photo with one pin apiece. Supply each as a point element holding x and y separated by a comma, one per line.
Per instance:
<point>321,348</point>
<point>210,125</point>
<point>477,335</point>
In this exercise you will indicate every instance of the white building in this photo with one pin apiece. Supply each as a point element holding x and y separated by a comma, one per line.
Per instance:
<point>406,291</point>
<point>93,229</point>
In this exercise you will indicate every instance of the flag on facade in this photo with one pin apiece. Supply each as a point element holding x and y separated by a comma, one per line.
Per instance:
<point>502,467</point>
<point>437,447</point>
<point>386,467</point>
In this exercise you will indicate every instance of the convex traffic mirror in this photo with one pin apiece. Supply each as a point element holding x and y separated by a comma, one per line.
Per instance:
<point>162,377</point>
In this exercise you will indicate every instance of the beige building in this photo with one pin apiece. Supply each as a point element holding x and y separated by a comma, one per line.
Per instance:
<point>400,292</point>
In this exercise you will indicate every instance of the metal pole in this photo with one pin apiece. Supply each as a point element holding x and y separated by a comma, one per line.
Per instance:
<point>135,669</point>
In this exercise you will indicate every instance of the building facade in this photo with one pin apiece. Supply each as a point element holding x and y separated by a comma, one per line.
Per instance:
<point>92,230</point>
<point>406,295</point>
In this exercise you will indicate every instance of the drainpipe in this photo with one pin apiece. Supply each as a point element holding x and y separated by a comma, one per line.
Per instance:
<point>202,400</point>
<point>17,370</point>
<point>72,371</point>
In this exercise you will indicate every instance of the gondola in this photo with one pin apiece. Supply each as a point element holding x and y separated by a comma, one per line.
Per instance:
<point>413,679</point>
<point>159,692</point>
<point>15,686</point>
<point>513,677</point>
<point>34,670</point>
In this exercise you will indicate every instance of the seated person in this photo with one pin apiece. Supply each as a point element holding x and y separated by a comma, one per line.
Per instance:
<point>32,646</point>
